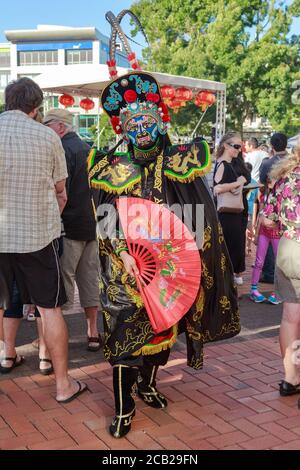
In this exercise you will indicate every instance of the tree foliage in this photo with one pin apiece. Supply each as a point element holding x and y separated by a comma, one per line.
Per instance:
<point>103,133</point>
<point>244,43</point>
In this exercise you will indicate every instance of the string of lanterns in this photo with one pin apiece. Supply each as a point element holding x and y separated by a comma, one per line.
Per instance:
<point>67,100</point>
<point>175,98</point>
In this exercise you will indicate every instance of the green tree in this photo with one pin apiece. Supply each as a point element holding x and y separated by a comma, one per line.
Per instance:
<point>244,43</point>
<point>105,134</point>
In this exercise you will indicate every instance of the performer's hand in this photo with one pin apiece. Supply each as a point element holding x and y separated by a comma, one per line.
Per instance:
<point>129,263</point>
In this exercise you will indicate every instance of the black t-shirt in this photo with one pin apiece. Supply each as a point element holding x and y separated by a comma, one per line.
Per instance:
<point>267,165</point>
<point>78,217</point>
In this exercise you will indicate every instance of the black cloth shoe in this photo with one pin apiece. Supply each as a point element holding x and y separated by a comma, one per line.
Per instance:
<point>153,398</point>
<point>121,425</point>
<point>147,390</point>
<point>124,381</point>
<point>286,389</point>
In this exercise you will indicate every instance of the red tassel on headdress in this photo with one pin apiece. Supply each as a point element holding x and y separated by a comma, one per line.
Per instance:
<point>115,122</point>
<point>112,68</point>
<point>133,61</point>
<point>164,112</point>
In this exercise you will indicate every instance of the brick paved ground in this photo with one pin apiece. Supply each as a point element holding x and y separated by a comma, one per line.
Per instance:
<point>233,403</point>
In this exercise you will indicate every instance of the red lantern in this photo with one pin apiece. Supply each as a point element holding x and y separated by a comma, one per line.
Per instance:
<point>176,104</point>
<point>66,100</point>
<point>183,94</point>
<point>167,92</point>
<point>87,104</point>
<point>204,99</point>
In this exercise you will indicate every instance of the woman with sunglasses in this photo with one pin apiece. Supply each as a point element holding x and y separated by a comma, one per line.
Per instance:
<point>228,178</point>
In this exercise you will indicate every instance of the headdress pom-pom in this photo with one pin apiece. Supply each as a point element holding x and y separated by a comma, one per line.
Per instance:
<point>154,97</point>
<point>130,96</point>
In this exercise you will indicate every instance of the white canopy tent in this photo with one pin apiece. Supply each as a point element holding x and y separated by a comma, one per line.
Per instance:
<point>90,80</point>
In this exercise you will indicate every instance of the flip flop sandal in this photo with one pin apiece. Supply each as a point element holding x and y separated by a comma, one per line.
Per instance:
<point>6,370</point>
<point>82,387</point>
<point>94,343</point>
<point>48,370</point>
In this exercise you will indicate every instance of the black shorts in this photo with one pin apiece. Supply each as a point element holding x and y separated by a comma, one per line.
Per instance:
<point>16,310</point>
<point>37,275</point>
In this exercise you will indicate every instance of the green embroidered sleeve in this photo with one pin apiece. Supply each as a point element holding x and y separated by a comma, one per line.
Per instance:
<point>186,162</point>
<point>115,174</point>
<point>120,245</point>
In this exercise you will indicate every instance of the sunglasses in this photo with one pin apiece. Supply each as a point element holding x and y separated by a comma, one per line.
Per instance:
<point>235,146</point>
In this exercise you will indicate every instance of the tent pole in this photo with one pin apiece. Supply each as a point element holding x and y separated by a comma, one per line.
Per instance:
<point>198,124</point>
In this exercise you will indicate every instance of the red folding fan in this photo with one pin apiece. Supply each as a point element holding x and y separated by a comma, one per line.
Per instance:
<point>167,258</point>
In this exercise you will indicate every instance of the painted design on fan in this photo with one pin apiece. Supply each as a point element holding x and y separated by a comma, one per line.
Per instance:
<point>168,302</point>
<point>166,249</point>
<point>146,230</point>
<point>171,271</point>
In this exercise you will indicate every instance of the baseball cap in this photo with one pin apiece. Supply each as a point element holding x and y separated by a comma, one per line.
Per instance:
<point>58,114</point>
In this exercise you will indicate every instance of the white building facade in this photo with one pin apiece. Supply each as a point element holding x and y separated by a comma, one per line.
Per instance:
<point>29,53</point>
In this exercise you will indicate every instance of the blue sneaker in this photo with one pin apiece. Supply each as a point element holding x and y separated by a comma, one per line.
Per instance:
<point>273,299</point>
<point>257,297</point>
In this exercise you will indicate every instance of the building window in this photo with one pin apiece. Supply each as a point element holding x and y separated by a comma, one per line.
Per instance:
<point>85,122</point>
<point>4,58</point>
<point>28,75</point>
<point>37,58</point>
<point>79,56</point>
<point>5,78</point>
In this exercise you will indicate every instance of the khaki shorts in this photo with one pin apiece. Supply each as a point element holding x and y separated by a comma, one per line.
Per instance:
<point>80,263</point>
<point>287,272</point>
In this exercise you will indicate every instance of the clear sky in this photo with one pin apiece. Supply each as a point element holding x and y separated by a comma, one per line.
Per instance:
<point>27,14</point>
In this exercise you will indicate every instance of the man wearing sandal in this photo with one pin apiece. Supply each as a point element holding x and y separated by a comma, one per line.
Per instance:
<point>79,260</point>
<point>11,322</point>
<point>32,196</point>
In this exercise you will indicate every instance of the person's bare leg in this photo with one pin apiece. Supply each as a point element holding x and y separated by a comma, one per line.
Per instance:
<point>43,350</point>
<point>1,324</point>
<point>56,338</point>
<point>91,318</point>
<point>289,334</point>
<point>10,329</point>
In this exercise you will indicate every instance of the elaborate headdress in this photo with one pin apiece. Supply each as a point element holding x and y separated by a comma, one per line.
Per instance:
<point>134,94</point>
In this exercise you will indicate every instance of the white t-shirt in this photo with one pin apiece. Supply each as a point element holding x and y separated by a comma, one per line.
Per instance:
<point>255,158</point>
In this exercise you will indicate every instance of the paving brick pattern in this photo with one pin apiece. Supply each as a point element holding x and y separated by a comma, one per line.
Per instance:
<point>233,403</point>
